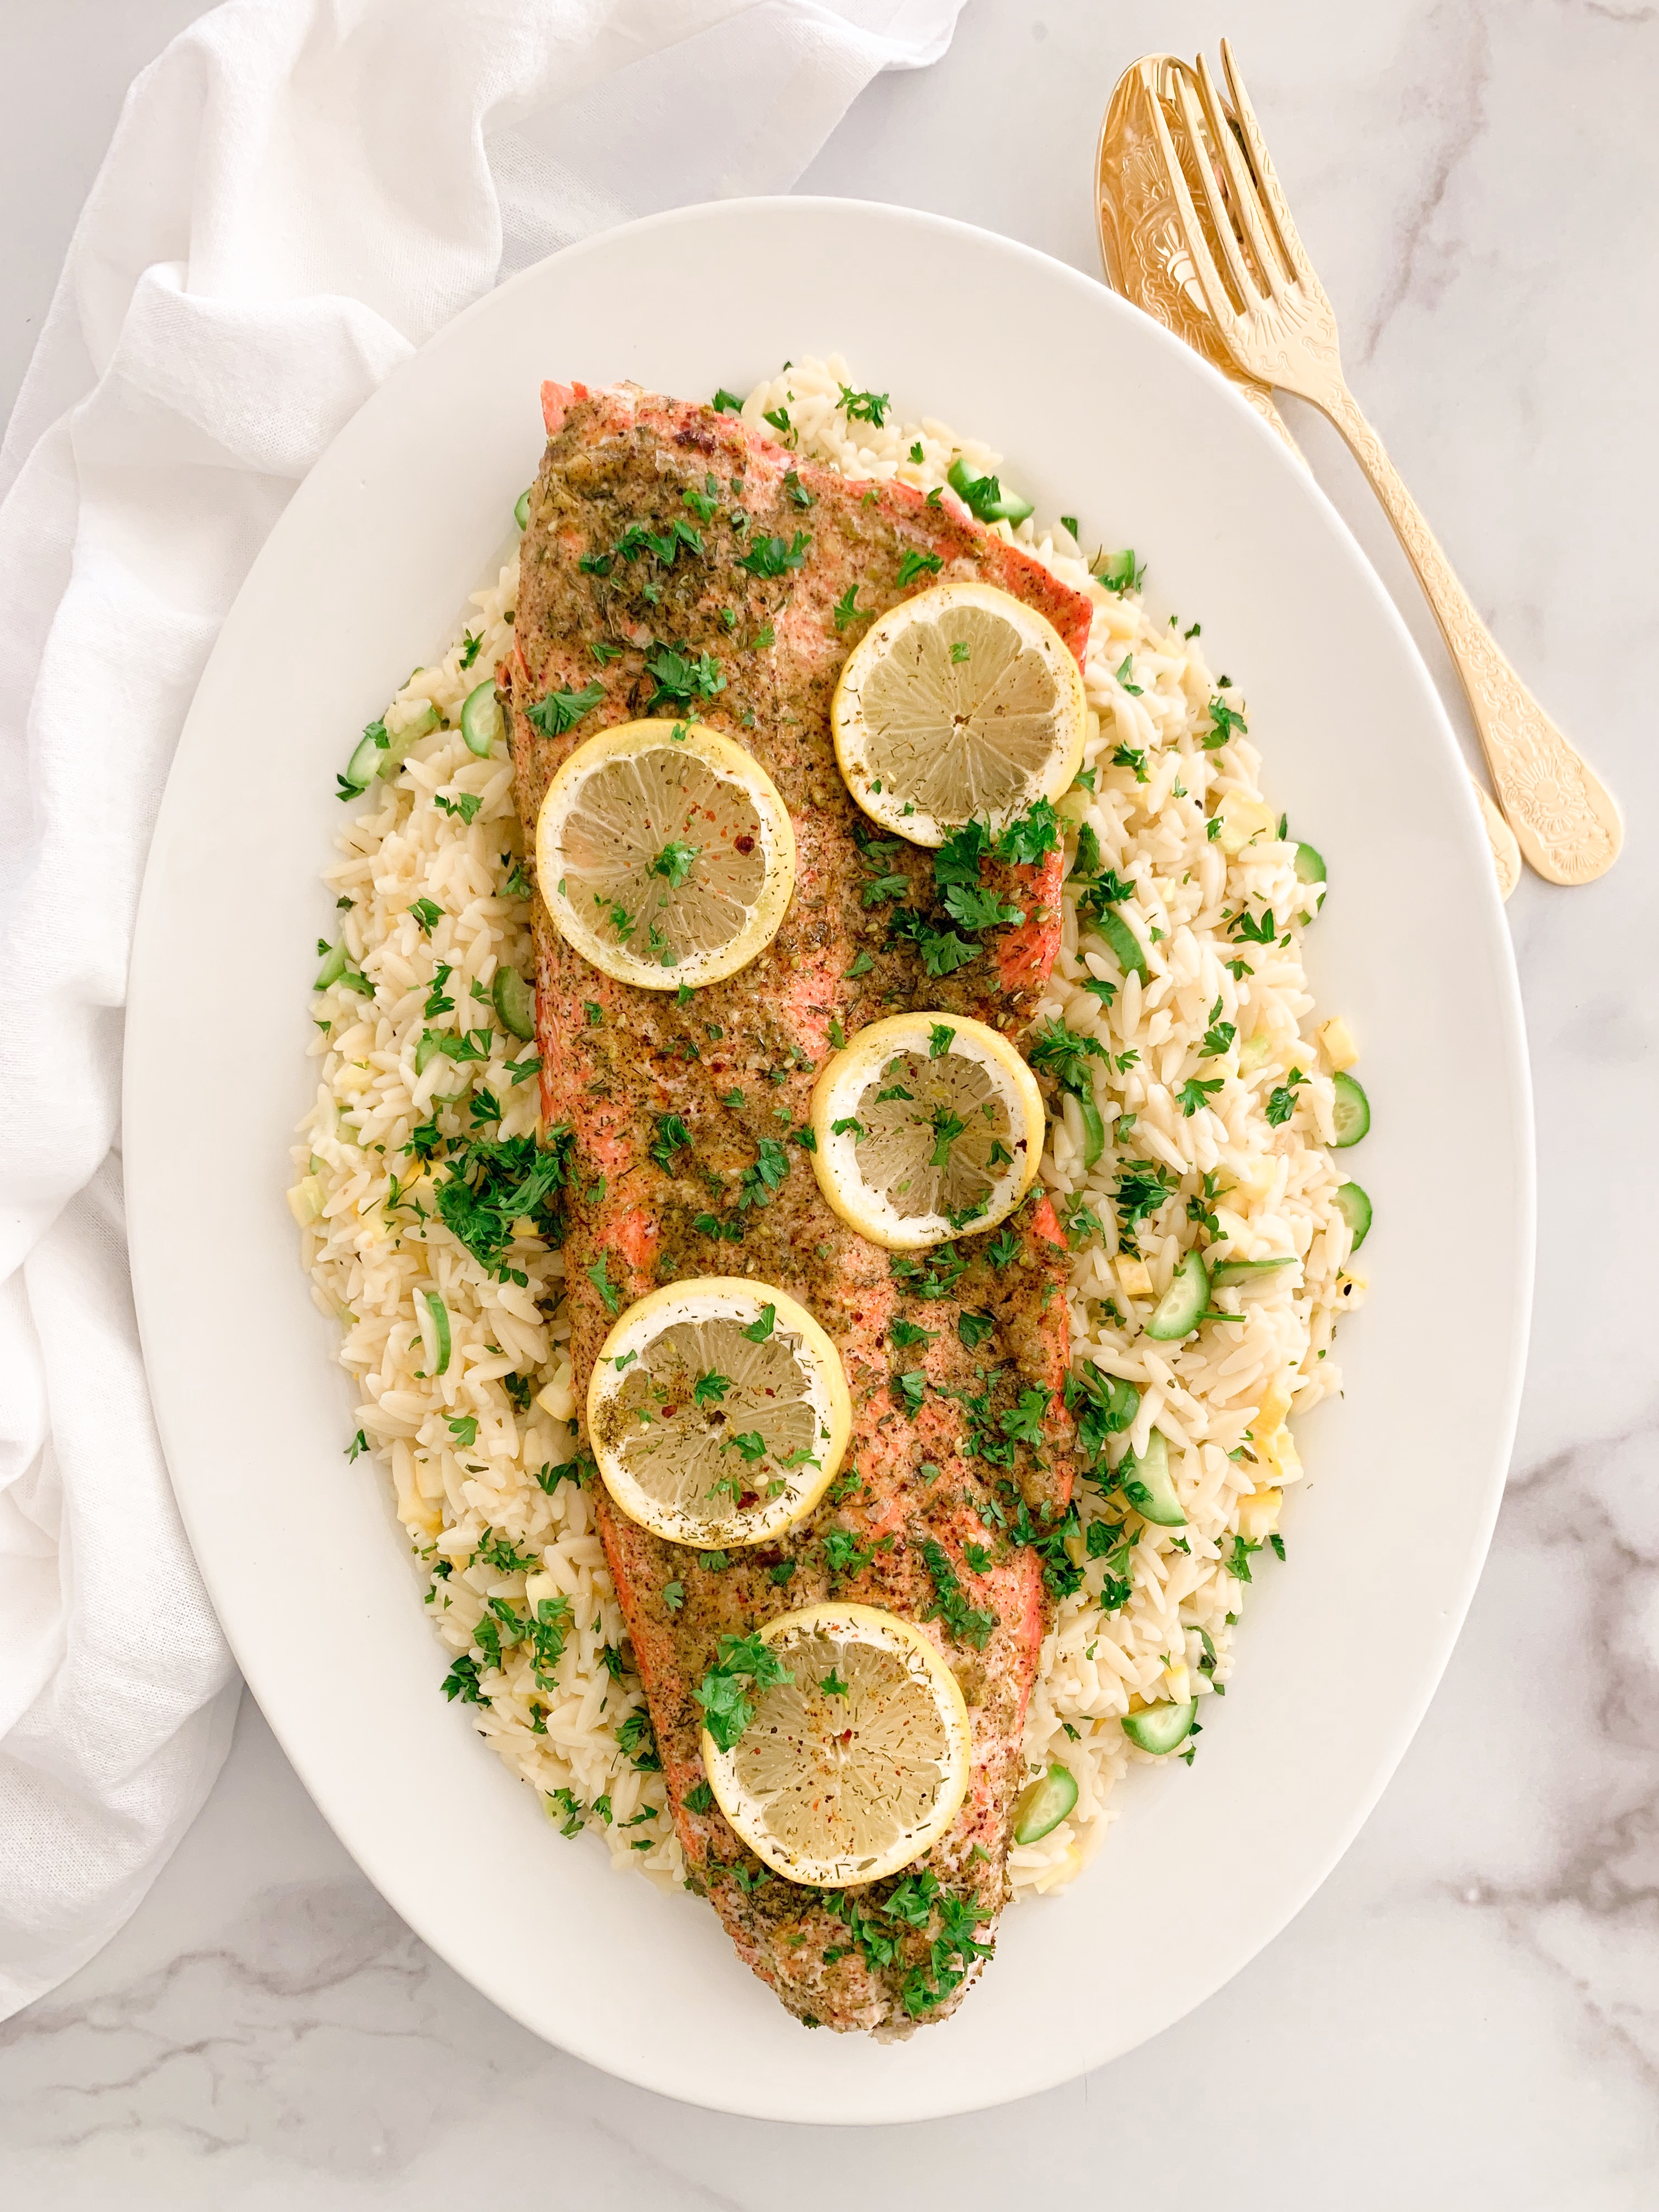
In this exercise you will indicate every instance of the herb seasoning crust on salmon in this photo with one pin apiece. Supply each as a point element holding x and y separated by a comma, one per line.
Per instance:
<point>676,564</point>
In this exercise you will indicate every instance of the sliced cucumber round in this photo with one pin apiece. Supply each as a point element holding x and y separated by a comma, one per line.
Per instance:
<point>482,720</point>
<point>1120,1404</point>
<point>1351,1111</point>
<point>1161,1727</point>
<point>1124,943</point>
<point>515,1002</point>
<point>439,1313</point>
<point>1146,1481</point>
<point>1044,1803</point>
<point>976,492</point>
<point>333,967</point>
<point>1246,1271</point>
<point>521,507</point>
<point>1094,1130</point>
<point>1309,865</point>
<point>1355,1208</point>
<point>1176,1312</point>
<point>368,757</point>
<point>420,727</point>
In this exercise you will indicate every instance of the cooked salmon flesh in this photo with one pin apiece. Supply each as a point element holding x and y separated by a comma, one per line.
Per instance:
<point>640,590</point>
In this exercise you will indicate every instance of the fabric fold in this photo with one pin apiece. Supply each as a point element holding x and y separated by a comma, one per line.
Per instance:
<point>299,193</point>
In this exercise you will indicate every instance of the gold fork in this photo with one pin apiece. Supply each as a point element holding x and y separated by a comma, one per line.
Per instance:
<point>1273,316</point>
<point>1146,260</point>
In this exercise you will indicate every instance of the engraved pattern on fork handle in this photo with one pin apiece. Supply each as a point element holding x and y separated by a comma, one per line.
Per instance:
<point>1566,823</point>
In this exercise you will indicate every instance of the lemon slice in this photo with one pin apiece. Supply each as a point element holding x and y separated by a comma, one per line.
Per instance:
<point>718,1412</point>
<point>928,1126</point>
<point>665,853</point>
<point>855,1767</point>
<point>960,704</point>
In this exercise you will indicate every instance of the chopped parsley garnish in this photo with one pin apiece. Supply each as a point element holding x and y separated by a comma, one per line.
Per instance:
<point>909,1390</point>
<point>1023,840</point>
<point>797,491</point>
<point>967,1624</point>
<point>758,1183</point>
<point>1281,1101</point>
<point>462,1681</point>
<point>1218,1037</point>
<point>599,1274</point>
<point>1223,720</point>
<point>1142,1187</point>
<point>847,608</point>
<point>494,1183</point>
<point>680,680</point>
<point>708,1389</point>
<point>867,407</point>
<point>843,1552</point>
<point>761,1327</point>
<point>675,862</point>
<point>1197,1092</point>
<point>916,564</point>
<point>776,556</point>
<point>561,710</point>
<point>671,1139</point>
<point>726,402</point>
<point>973,1328</point>
<point>1058,1051</point>
<point>746,1663</point>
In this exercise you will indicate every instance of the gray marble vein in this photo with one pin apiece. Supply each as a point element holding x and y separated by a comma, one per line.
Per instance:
<point>1468,2014</point>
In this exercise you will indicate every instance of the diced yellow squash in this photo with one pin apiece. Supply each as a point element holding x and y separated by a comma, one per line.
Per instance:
<point>1253,1050</point>
<point>1178,1682</point>
<point>1337,1040</point>
<point>559,1400</point>
<point>1274,1406</point>
<point>305,1200</point>
<point>1133,1278</point>
<point>1243,822</point>
<point>1258,1515</point>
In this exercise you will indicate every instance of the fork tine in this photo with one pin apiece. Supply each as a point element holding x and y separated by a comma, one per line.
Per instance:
<point>1277,205</point>
<point>1246,199</point>
<point>1221,225</point>
<point>1215,298</point>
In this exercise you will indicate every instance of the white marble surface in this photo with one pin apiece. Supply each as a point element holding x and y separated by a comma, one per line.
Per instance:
<point>1468,2014</point>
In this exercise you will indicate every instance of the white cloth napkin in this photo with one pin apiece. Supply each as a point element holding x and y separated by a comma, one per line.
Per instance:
<point>299,192</point>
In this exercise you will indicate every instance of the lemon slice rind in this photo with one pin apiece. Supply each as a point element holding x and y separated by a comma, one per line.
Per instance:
<point>681,1473</point>
<point>961,703</point>
<point>634,795</point>
<point>979,1066</point>
<point>830,1789</point>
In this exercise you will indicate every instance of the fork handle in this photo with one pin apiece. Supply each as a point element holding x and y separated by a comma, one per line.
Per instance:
<point>1565,819</point>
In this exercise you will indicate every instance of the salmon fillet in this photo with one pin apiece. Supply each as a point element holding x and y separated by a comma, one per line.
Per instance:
<point>941,1508</point>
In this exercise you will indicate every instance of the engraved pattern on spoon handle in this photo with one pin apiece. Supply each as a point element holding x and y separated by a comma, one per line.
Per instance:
<point>1566,823</point>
